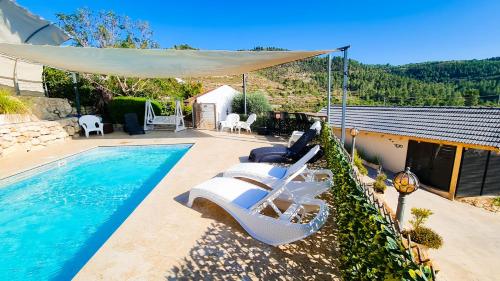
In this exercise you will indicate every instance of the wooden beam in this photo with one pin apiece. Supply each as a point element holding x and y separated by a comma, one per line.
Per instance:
<point>456,171</point>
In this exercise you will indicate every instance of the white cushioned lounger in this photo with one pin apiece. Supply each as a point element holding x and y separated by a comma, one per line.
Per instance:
<point>245,201</point>
<point>273,176</point>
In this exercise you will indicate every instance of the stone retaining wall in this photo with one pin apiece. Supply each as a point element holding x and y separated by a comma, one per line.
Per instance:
<point>35,135</point>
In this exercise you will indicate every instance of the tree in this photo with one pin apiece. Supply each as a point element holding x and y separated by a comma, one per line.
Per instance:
<point>256,103</point>
<point>106,29</point>
<point>184,47</point>
<point>471,97</point>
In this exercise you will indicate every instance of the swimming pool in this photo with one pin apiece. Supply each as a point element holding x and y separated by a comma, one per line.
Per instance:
<point>55,217</point>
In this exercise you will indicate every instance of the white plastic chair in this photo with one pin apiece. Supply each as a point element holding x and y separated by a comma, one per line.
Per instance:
<point>230,122</point>
<point>312,184</point>
<point>297,134</point>
<point>245,202</point>
<point>91,123</point>
<point>246,125</point>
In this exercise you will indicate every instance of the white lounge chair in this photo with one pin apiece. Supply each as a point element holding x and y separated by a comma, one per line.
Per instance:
<point>246,125</point>
<point>245,202</point>
<point>91,123</point>
<point>297,134</point>
<point>273,176</point>
<point>151,119</point>
<point>230,122</point>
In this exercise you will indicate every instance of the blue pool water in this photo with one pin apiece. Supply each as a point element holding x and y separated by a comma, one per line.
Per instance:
<point>55,217</point>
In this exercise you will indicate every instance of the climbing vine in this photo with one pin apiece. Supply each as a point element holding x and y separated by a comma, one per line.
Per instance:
<point>369,247</point>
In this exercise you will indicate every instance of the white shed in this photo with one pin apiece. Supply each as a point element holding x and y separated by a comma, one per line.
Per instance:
<point>222,97</point>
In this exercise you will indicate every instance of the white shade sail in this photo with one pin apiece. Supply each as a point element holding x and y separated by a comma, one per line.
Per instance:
<point>18,25</point>
<point>152,63</point>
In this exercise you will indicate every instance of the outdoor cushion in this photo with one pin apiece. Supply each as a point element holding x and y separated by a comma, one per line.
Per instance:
<point>282,154</point>
<point>131,125</point>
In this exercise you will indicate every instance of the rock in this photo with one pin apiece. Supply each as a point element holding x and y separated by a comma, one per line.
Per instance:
<point>51,124</point>
<point>5,144</point>
<point>62,135</point>
<point>70,130</point>
<point>47,138</point>
<point>44,131</point>
<point>34,128</point>
<point>22,139</point>
<point>8,138</point>
<point>35,141</point>
<point>31,134</point>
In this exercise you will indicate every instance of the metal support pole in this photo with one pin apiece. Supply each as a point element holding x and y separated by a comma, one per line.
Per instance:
<point>15,80</point>
<point>77,95</point>
<point>245,93</point>
<point>353,148</point>
<point>329,104</point>
<point>344,95</point>
<point>400,211</point>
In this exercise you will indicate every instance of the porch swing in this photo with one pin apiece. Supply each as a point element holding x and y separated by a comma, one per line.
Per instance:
<point>151,119</point>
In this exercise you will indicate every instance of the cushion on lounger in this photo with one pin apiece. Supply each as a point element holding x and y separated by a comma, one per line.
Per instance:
<point>263,154</point>
<point>301,144</point>
<point>131,125</point>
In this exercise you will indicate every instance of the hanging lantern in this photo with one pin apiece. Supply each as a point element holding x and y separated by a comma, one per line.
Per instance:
<point>406,182</point>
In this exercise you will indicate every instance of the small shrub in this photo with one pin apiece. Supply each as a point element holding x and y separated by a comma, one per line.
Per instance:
<point>256,103</point>
<point>425,236</point>
<point>420,216</point>
<point>120,105</point>
<point>10,104</point>
<point>496,201</point>
<point>358,162</point>
<point>421,234</point>
<point>379,184</point>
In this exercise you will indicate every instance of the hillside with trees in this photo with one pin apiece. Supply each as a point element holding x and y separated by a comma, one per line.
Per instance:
<point>456,83</point>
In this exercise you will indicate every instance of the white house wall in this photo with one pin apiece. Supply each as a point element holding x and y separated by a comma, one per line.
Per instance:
<point>223,99</point>
<point>391,150</point>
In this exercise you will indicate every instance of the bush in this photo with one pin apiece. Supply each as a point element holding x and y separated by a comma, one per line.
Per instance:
<point>425,236</point>
<point>358,162</point>
<point>420,216</point>
<point>496,201</point>
<point>379,184</point>
<point>256,103</point>
<point>118,106</point>
<point>368,246</point>
<point>10,104</point>
<point>421,234</point>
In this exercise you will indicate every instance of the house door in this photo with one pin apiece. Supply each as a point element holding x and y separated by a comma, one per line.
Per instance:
<point>432,163</point>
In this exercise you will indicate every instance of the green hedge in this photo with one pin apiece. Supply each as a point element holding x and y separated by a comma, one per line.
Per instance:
<point>118,106</point>
<point>369,248</point>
